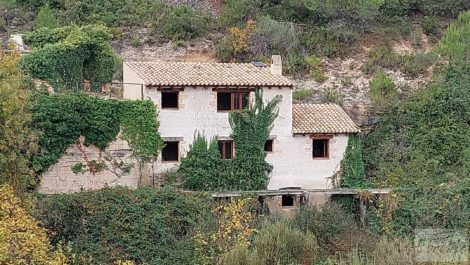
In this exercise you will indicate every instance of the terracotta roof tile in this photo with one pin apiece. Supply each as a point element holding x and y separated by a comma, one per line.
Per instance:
<point>206,74</point>
<point>321,118</point>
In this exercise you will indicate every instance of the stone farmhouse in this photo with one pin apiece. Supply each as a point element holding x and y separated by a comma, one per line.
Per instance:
<point>307,142</point>
<point>305,147</point>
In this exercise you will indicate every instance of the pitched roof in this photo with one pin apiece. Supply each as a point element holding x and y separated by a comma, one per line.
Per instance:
<point>321,118</point>
<point>206,74</point>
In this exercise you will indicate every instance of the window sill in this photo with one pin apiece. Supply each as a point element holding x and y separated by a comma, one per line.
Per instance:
<point>320,158</point>
<point>170,109</point>
<point>171,162</point>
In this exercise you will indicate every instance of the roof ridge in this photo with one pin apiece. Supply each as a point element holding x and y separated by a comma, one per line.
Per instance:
<point>168,73</point>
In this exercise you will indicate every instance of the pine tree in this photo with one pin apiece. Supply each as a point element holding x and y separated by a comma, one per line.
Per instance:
<point>46,18</point>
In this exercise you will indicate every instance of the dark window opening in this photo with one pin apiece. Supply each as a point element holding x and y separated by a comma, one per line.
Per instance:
<point>169,100</point>
<point>232,101</point>
<point>268,146</point>
<point>287,200</point>
<point>224,101</point>
<point>320,148</point>
<point>170,152</point>
<point>226,149</point>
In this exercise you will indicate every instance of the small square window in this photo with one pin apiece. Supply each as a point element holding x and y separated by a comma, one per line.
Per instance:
<point>170,152</point>
<point>320,148</point>
<point>287,200</point>
<point>226,149</point>
<point>268,145</point>
<point>170,99</point>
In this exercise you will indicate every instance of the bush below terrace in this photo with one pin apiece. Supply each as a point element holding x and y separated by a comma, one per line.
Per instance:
<point>145,226</point>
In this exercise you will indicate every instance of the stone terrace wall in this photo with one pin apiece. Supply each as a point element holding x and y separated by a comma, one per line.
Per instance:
<point>61,179</point>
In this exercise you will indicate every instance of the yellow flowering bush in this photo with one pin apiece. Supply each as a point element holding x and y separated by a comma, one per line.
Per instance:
<point>22,241</point>
<point>235,222</point>
<point>241,36</point>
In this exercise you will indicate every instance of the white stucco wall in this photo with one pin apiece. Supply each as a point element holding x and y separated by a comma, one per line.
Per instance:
<point>294,166</point>
<point>291,158</point>
<point>132,83</point>
<point>198,113</point>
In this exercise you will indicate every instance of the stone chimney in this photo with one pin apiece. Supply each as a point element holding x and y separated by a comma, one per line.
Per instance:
<point>276,65</point>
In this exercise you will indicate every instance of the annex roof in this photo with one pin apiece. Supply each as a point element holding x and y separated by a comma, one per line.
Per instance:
<point>321,118</point>
<point>206,74</point>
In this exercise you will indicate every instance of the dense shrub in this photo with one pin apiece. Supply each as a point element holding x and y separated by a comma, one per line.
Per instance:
<point>382,90</point>
<point>386,252</point>
<point>66,57</point>
<point>381,56</point>
<point>273,37</point>
<point>200,168</point>
<point>420,141</point>
<point>237,12</point>
<point>46,18</point>
<point>438,207</point>
<point>455,45</point>
<point>18,141</point>
<point>276,243</point>
<point>145,226</point>
<point>417,63</point>
<point>315,68</point>
<point>22,240</point>
<point>301,95</point>
<point>179,23</point>
<point>335,230</point>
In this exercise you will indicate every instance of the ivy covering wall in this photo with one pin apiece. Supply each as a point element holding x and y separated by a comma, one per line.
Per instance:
<point>352,166</point>
<point>62,118</point>
<point>67,56</point>
<point>204,169</point>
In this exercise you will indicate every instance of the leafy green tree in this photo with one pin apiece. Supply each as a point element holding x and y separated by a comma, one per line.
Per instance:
<point>455,45</point>
<point>250,129</point>
<point>46,18</point>
<point>17,140</point>
<point>199,169</point>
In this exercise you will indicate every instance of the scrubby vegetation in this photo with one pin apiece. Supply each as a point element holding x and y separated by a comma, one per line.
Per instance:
<point>420,147</point>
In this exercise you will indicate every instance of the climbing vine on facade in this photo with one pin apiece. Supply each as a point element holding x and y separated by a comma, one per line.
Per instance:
<point>63,118</point>
<point>352,167</point>
<point>204,169</point>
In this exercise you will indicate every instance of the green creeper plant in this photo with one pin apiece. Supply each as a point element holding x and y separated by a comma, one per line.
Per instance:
<point>62,118</point>
<point>203,168</point>
<point>352,166</point>
<point>67,56</point>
